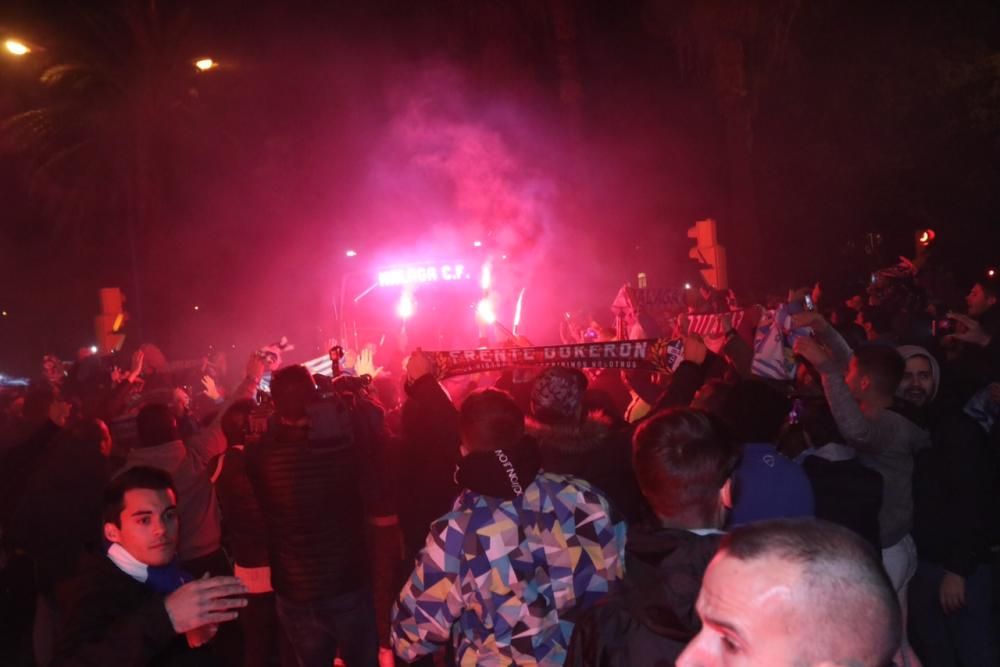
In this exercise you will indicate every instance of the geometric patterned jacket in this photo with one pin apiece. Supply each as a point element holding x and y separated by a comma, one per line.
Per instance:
<point>505,578</point>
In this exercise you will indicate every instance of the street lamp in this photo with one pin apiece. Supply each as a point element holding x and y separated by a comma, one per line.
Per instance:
<point>205,64</point>
<point>16,47</point>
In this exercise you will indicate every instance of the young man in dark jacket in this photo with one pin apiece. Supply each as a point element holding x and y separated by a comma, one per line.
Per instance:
<point>306,475</point>
<point>684,463</point>
<point>136,606</point>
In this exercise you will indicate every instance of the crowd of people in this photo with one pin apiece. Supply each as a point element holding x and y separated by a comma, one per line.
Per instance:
<point>548,516</point>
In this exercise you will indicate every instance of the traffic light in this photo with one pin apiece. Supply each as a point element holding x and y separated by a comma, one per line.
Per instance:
<point>709,253</point>
<point>110,323</point>
<point>923,243</point>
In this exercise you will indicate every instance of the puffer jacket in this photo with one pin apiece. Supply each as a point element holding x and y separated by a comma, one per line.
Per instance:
<point>653,618</point>
<point>306,478</point>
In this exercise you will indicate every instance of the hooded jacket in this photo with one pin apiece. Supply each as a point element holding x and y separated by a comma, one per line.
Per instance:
<point>653,618</point>
<point>593,450</point>
<point>951,483</point>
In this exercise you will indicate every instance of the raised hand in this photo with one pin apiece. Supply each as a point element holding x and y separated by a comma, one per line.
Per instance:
<point>973,333</point>
<point>255,368</point>
<point>695,350</point>
<point>809,318</point>
<point>137,360</point>
<point>211,390</point>
<point>807,348</point>
<point>205,601</point>
<point>365,365</point>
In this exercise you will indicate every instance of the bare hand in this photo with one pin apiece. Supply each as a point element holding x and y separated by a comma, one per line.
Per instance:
<point>211,390</point>
<point>418,366</point>
<point>952,592</point>
<point>695,350</point>
<point>809,318</point>
<point>365,365</point>
<point>973,330</point>
<point>807,348</point>
<point>817,293</point>
<point>205,601</point>
<point>117,375</point>
<point>137,360</point>
<point>255,368</point>
<point>796,296</point>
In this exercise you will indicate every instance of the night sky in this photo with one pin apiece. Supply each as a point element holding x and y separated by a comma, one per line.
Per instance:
<point>579,139</point>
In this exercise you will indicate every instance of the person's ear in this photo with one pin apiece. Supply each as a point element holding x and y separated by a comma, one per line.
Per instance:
<point>112,533</point>
<point>726,494</point>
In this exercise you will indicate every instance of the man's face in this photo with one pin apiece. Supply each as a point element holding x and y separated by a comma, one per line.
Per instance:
<point>749,615</point>
<point>149,526</point>
<point>979,301</point>
<point>917,386</point>
<point>855,379</point>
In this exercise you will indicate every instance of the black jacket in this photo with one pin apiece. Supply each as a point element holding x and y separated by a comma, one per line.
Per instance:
<point>952,493</point>
<point>244,531</point>
<point>117,621</point>
<point>307,481</point>
<point>653,618</point>
<point>428,457</point>
<point>847,493</point>
<point>58,517</point>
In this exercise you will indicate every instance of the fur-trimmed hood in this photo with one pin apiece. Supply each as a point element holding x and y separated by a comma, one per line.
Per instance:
<point>570,438</point>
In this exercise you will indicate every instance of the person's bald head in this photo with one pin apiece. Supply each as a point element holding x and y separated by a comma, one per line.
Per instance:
<point>795,592</point>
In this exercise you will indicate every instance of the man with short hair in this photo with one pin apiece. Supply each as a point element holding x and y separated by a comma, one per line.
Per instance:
<point>684,462</point>
<point>522,552</point>
<point>795,592</point>
<point>136,606</point>
<point>886,441</point>
<point>306,474</point>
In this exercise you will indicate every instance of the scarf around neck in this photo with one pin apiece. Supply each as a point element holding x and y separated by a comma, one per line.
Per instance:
<point>163,579</point>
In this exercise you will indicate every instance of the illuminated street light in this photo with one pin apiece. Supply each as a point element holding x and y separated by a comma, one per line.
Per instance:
<point>351,253</point>
<point>205,64</point>
<point>991,273</point>
<point>197,308</point>
<point>405,308</point>
<point>485,313</point>
<point>17,48</point>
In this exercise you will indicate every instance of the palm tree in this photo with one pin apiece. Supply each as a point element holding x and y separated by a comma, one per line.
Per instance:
<point>119,109</point>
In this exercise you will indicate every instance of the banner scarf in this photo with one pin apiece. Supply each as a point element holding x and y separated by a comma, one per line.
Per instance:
<point>660,355</point>
<point>773,356</point>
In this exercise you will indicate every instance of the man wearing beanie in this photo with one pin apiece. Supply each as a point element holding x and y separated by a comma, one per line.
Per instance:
<point>587,446</point>
<point>951,593</point>
<point>504,574</point>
